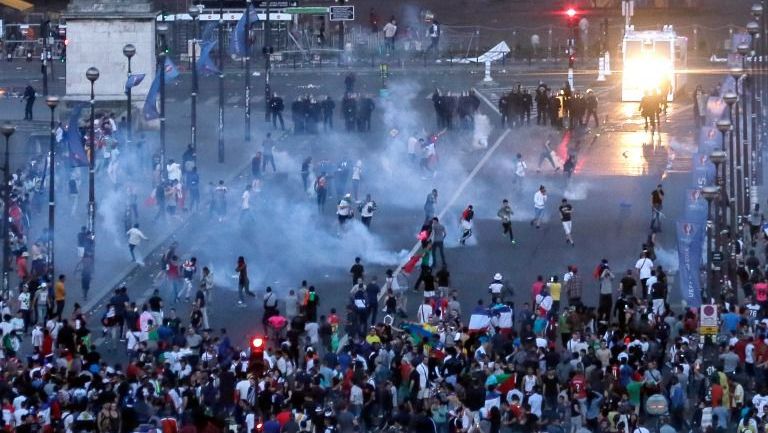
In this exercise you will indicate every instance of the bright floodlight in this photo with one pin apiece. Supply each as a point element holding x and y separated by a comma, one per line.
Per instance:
<point>571,12</point>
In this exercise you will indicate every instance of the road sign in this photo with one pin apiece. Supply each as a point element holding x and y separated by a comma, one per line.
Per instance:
<point>277,4</point>
<point>307,10</point>
<point>342,13</point>
<point>708,320</point>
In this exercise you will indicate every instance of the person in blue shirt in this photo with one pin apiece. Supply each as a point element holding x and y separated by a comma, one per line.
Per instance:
<point>730,321</point>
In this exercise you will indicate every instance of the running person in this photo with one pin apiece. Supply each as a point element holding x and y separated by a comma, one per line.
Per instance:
<point>466,224</point>
<point>344,211</point>
<point>566,211</point>
<point>539,201</point>
<point>243,283</point>
<point>505,214</point>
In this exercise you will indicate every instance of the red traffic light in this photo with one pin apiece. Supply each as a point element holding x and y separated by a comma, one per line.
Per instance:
<point>571,12</point>
<point>257,343</point>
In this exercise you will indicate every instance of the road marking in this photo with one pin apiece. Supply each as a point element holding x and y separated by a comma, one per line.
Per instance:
<point>490,104</point>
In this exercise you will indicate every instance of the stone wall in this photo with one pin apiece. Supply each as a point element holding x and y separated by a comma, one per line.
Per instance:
<point>98,41</point>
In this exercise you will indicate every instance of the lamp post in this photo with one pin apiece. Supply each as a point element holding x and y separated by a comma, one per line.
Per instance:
<point>194,12</point>
<point>162,28</point>
<point>710,193</point>
<point>753,86</point>
<point>730,98</point>
<point>92,74</point>
<point>7,130</point>
<point>221,81</point>
<point>718,157</point>
<point>267,50</point>
<point>247,62</point>
<point>51,102</point>
<point>129,51</point>
<point>759,83</point>
<point>737,186</point>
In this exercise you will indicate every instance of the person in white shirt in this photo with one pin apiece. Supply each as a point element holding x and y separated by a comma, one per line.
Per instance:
<point>135,236</point>
<point>366,212</point>
<point>390,29</point>
<point>344,210</point>
<point>357,172</point>
<point>539,201</point>
<point>245,205</point>
<point>356,399</point>
<point>425,312</point>
<point>644,265</point>
<point>520,167</point>
<point>174,171</point>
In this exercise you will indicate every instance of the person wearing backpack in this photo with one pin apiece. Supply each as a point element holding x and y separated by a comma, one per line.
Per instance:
<point>270,306</point>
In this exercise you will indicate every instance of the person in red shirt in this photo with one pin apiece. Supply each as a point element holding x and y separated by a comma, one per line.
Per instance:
<point>283,417</point>
<point>579,386</point>
<point>717,394</point>
<point>761,293</point>
<point>536,287</point>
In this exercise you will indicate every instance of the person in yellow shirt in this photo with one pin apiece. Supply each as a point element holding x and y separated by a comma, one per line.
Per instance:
<point>554,288</point>
<point>59,296</point>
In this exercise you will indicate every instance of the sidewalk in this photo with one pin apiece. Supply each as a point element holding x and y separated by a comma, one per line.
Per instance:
<point>113,265</point>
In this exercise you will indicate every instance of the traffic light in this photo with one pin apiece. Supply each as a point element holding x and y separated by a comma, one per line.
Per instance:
<point>571,60</point>
<point>257,344</point>
<point>572,17</point>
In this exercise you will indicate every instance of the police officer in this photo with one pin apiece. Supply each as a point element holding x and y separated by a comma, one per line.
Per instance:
<point>591,107</point>
<point>504,109</point>
<point>276,107</point>
<point>297,116</point>
<point>349,110</point>
<point>527,102</point>
<point>542,104</point>
<point>327,107</point>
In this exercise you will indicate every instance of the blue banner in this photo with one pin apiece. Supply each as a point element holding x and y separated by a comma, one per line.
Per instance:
<point>729,83</point>
<point>703,171</point>
<point>133,81</point>
<point>205,64</point>
<point>695,205</point>
<point>237,39</point>
<point>150,104</point>
<point>77,156</point>
<point>710,139</point>
<point>690,241</point>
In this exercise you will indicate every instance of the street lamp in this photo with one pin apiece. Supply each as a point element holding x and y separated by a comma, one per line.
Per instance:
<point>736,185</point>
<point>162,28</point>
<point>718,158</point>
<point>710,193</point>
<point>51,102</point>
<point>221,81</point>
<point>247,64</point>
<point>194,12</point>
<point>92,74</point>
<point>7,130</point>
<point>753,84</point>
<point>129,51</point>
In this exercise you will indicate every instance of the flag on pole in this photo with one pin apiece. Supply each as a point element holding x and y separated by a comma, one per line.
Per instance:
<point>133,81</point>
<point>205,64</point>
<point>75,143</point>
<point>150,105</point>
<point>237,42</point>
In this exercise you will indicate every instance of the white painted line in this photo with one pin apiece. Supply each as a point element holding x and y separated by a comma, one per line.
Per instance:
<point>487,101</point>
<point>460,190</point>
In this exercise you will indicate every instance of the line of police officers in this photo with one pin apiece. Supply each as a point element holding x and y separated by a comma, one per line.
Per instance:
<point>563,108</point>
<point>450,105</point>
<point>308,112</point>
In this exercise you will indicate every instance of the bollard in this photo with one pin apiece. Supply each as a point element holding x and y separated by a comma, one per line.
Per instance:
<point>487,77</point>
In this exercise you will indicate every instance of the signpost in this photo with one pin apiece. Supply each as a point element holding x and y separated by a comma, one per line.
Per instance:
<point>342,13</point>
<point>277,4</point>
<point>708,320</point>
<point>307,10</point>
